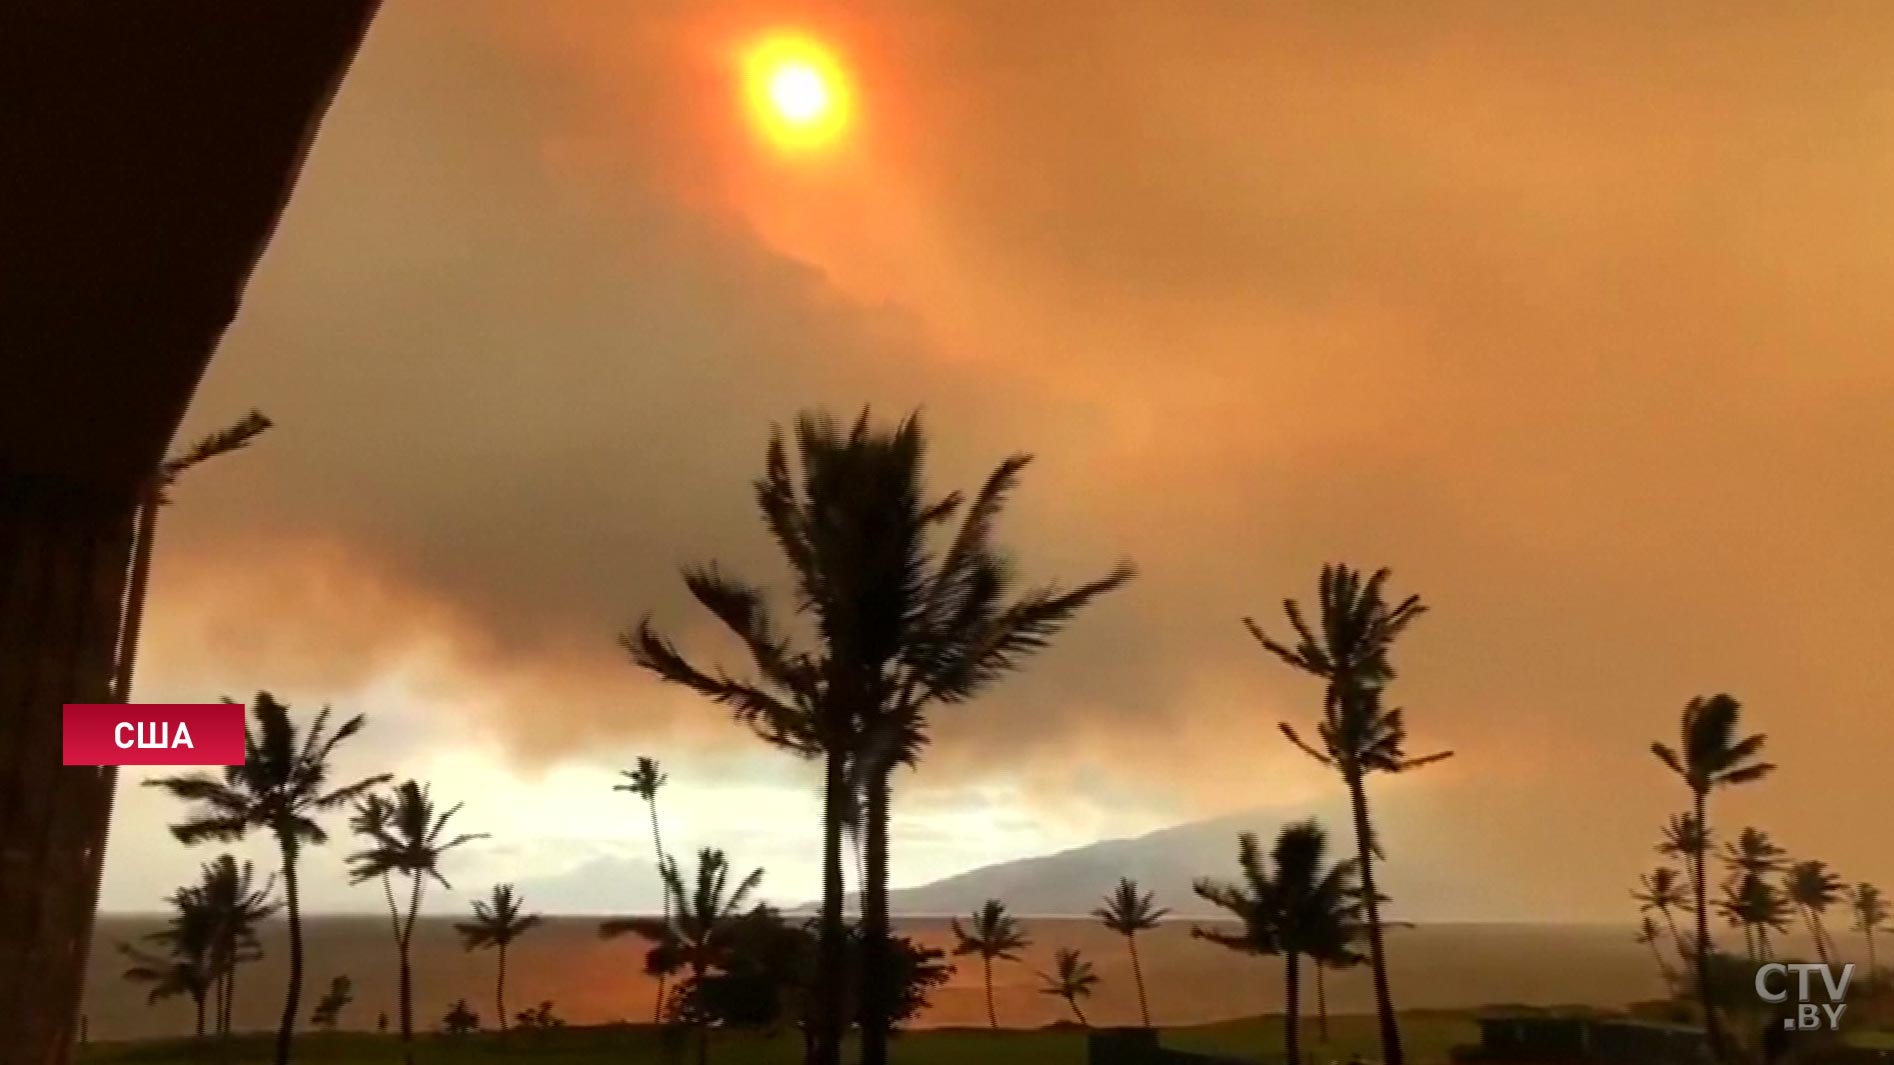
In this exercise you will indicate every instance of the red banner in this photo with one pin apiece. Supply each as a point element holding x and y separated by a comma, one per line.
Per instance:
<point>168,734</point>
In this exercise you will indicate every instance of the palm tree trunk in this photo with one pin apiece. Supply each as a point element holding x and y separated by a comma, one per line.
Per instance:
<point>499,990</point>
<point>197,999</point>
<point>407,970</point>
<point>1073,1001</point>
<point>657,844</point>
<point>292,1001</point>
<point>1712,1026</point>
<point>1321,1002</point>
<point>875,976</point>
<point>1292,990</point>
<point>1815,929</point>
<point>827,1044</point>
<point>1137,976</point>
<point>1663,970</point>
<point>992,1018</point>
<point>1676,938</point>
<point>1872,978</point>
<point>1371,905</point>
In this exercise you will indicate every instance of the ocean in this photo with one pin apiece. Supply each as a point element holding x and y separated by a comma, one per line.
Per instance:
<point>595,981</point>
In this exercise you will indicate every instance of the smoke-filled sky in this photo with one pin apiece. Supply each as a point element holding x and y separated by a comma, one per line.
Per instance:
<point>1577,319</point>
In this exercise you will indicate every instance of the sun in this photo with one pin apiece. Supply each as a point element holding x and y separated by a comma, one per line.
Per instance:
<point>797,92</point>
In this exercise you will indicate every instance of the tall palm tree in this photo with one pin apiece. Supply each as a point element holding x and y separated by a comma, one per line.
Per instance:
<point>1648,933</point>
<point>1710,755</point>
<point>1813,888</point>
<point>1356,735</point>
<point>994,935</point>
<point>281,788</point>
<point>644,782</point>
<point>1128,911</point>
<point>497,923</point>
<point>1071,979</point>
<point>901,626</point>
<point>1664,892</point>
<point>406,836</point>
<point>698,935</point>
<point>1871,911</point>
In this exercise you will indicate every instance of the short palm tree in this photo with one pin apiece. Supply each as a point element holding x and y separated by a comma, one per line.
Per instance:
<point>994,935</point>
<point>1664,892</point>
<point>1871,912</point>
<point>1684,839</point>
<point>1356,735</point>
<point>1762,908</point>
<point>1071,979</point>
<point>1710,755</point>
<point>497,922</point>
<point>903,624</point>
<point>229,892</point>
<point>1128,911</point>
<point>644,782</point>
<point>1648,934</point>
<point>281,788</point>
<point>698,935</point>
<point>405,835</point>
<point>1813,888</point>
<point>187,966</point>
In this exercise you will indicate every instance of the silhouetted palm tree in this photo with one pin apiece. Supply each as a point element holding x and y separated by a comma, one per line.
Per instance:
<point>1871,912</point>
<point>1128,911</point>
<point>497,923</point>
<point>1342,955</point>
<point>1648,933</point>
<point>405,836</point>
<point>1762,908</point>
<point>1356,735</point>
<point>229,893</point>
<point>1710,755</point>
<point>900,626</point>
<point>1664,892</point>
<point>1071,979</point>
<point>1813,888</point>
<point>1303,908</point>
<point>993,934</point>
<point>698,935</point>
<point>281,787</point>
<point>188,965</point>
<point>1753,853</point>
<point>644,782</point>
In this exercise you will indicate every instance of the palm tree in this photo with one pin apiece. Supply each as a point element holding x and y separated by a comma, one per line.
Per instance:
<point>1871,911</point>
<point>993,934</point>
<point>1664,892</point>
<point>644,782</point>
<point>329,1007</point>
<point>1342,955</point>
<point>188,966</point>
<point>1753,853</point>
<point>497,923</point>
<point>1304,908</point>
<point>1813,888</point>
<point>281,787</point>
<point>229,893</point>
<point>1128,911</point>
<point>1071,979</point>
<point>404,835</point>
<point>1648,933</point>
<point>1761,908</point>
<point>1357,736</point>
<point>1710,755</point>
<point>900,627</point>
<point>697,934</point>
<point>1686,840</point>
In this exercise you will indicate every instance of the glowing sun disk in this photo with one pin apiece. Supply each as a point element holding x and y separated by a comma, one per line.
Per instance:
<point>797,92</point>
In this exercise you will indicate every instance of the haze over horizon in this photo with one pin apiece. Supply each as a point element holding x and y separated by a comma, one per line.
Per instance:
<point>1577,322</point>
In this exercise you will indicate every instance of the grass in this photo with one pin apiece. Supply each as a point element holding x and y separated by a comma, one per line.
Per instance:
<point>1428,1035</point>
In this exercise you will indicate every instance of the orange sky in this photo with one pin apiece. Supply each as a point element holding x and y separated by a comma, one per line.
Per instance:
<point>1578,321</point>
